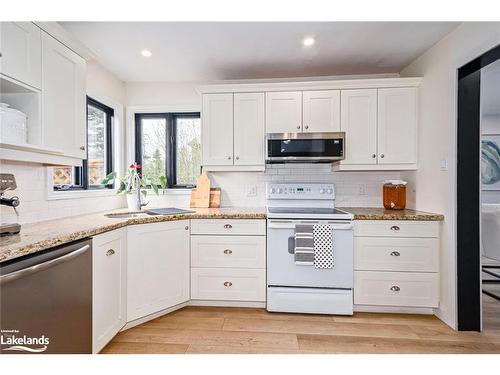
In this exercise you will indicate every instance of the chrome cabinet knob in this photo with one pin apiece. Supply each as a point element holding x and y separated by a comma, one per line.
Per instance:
<point>82,148</point>
<point>394,227</point>
<point>186,227</point>
<point>395,254</point>
<point>110,252</point>
<point>395,288</point>
<point>374,156</point>
<point>298,127</point>
<point>228,226</point>
<point>229,158</point>
<point>237,158</point>
<point>382,156</point>
<point>227,284</point>
<point>307,126</point>
<point>227,251</point>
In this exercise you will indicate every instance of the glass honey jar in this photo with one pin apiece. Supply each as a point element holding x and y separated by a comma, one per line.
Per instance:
<point>395,194</point>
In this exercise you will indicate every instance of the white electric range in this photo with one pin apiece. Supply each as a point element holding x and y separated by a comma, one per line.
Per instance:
<point>299,288</point>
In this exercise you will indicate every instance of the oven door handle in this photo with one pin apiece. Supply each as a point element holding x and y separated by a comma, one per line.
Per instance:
<point>289,224</point>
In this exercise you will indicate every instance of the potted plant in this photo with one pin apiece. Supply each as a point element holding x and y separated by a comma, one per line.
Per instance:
<point>133,185</point>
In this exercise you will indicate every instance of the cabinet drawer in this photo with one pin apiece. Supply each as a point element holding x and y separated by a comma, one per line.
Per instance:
<point>396,228</point>
<point>396,254</point>
<point>228,251</point>
<point>396,289</point>
<point>228,284</point>
<point>229,226</point>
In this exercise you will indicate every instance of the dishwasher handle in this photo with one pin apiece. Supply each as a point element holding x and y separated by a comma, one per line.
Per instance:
<point>42,266</point>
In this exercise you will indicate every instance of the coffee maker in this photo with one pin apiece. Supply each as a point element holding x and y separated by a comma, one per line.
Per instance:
<point>8,182</point>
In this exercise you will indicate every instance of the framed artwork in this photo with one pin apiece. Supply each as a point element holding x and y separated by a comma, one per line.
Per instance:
<point>490,162</point>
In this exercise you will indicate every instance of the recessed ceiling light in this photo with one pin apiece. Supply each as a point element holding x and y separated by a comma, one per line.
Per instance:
<point>146,53</point>
<point>308,41</point>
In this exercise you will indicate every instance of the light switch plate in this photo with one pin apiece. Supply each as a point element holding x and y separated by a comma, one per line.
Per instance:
<point>443,165</point>
<point>252,191</point>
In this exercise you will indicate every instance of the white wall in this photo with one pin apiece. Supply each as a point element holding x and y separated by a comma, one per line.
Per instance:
<point>37,202</point>
<point>162,93</point>
<point>434,189</point>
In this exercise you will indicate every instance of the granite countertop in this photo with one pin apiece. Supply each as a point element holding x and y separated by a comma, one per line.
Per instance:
<point>361,213</point>
<point>43,235</point>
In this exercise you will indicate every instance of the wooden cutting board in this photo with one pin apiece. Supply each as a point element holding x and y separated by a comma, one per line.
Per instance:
<point>200,197</point>
<point>214,198</point>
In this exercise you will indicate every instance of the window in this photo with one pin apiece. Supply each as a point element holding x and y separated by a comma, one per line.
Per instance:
<point>169,144</point>
<point>99,160</point>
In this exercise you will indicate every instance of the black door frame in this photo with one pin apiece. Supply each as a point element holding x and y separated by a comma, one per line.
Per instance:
<point>469,191</point>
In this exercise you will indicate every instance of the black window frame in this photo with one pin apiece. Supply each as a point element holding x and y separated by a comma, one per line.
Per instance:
<point>171,143</point>
<point>80,174</point>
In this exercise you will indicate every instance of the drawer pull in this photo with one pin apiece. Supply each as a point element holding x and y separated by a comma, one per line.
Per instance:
<point>394,227</point>
<point>395,254</point>
<point>395,288</point>
<point>227,251</point>
<point>110,252</point>
<point>228,284</point>
<point>228,226</point>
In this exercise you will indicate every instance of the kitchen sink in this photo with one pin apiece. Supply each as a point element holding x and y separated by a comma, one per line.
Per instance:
<point>125,215</point>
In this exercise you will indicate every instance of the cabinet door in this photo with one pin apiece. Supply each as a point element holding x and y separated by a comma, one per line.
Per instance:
<point>20,46</point>
<point>284,112</point>
<point>63,99</point>
<point>157,267</point>
<point>321,111</point>
<point>217,129</point>
<point>359,122</point>
<point>109,282</point>
<point>249,129</point>
<point>397,125</point>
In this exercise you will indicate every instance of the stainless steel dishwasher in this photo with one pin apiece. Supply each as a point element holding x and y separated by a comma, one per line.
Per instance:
<point>46,301</point>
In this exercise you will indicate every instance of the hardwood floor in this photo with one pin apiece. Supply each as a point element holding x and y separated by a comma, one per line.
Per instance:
<point>242,330</point>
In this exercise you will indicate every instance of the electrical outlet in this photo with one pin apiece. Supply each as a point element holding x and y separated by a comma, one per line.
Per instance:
<point>361,189</point>
<point>251,191</point>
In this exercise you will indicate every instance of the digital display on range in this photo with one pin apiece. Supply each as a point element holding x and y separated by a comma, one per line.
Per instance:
<point>300,189</point>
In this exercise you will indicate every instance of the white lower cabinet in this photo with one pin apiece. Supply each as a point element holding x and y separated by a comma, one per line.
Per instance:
<point>228,260</point>
<point>396,263</point>
<point>157,267</point>
<point>109,256</point>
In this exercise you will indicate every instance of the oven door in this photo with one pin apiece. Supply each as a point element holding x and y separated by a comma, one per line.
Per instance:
<point>304,147</point>
<point>282,270</point>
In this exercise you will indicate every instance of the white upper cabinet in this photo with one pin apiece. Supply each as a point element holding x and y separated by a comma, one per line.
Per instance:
<point>217,129</point>
<point>109,304</point>
<point>284,112</point>
<point>63,99</point>
<point>21,56</point>
<point>321,111</point>
<point>397,125</point>
<point>359,122</point>
<point>249,128</point>
<point>157,267</point>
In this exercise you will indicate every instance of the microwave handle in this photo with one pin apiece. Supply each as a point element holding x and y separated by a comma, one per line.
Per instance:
<point>290,224</point>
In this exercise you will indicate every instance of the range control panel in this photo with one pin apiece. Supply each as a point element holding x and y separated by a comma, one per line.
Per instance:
<point>300,191</point>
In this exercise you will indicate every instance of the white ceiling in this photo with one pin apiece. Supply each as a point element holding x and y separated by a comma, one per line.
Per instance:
<point>203,51</point>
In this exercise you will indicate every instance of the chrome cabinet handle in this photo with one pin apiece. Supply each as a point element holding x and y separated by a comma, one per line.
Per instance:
<point>395,288</point>
<point>394,227</point>
<point>374,156</point>
<point>228,226</point>
<point>382,156</point>
<point>227,284</point>
<point>110,252</point>
<point>227,251</point>
<point>395,254</point>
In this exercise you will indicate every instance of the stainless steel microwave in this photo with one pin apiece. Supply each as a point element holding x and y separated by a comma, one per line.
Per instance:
<point>304,147</point>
